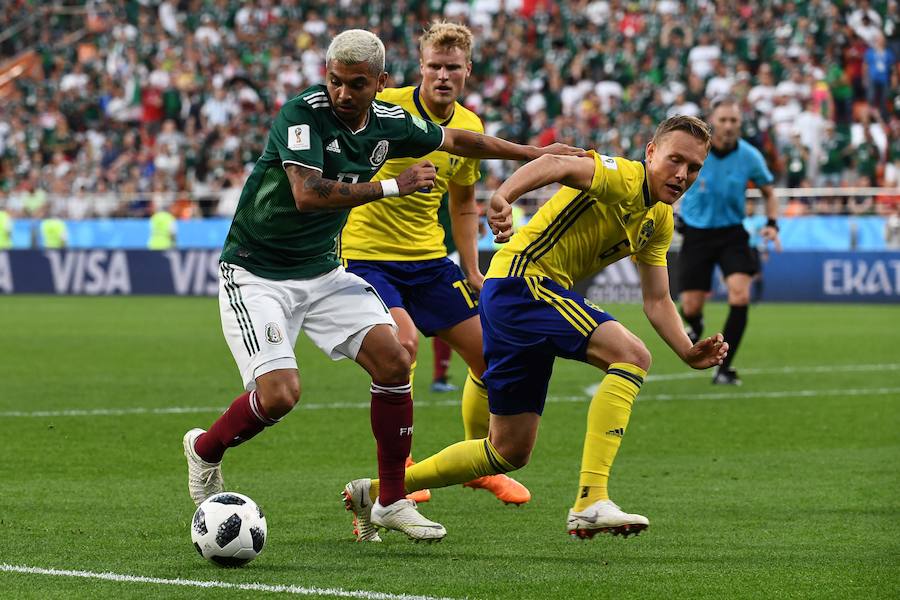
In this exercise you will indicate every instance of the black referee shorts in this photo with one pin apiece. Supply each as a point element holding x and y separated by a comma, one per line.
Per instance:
<point>702,249</point>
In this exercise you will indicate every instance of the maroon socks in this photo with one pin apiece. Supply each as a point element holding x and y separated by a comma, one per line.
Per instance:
<point>243,419</point>
<point>442,354</point>
<point>392,424</point>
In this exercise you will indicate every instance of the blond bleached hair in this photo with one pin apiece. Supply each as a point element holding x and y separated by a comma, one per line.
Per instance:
<point>445,35</point>
<point>690,125</point>
<point>356,46</point>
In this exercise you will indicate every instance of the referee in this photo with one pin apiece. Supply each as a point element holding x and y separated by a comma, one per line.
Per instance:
<point>712,211</point>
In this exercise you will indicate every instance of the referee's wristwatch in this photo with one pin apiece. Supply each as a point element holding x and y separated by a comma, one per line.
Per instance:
<point>773,223</point>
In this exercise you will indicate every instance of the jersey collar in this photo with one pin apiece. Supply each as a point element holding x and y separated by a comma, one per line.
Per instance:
<point>364,125</point>
<point>722,153</point>
<point>421,108</point>
<point>645,189</point>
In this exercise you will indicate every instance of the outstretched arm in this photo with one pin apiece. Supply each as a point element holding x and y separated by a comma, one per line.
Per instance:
<point>573,171</point>
<point>663,315</point>
<point>476,145</point>
<point>314,193</point>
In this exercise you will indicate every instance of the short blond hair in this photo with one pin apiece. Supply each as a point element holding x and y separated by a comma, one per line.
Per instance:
<point>356,46</point>
<point>691,125</point>
<point>445,35</point>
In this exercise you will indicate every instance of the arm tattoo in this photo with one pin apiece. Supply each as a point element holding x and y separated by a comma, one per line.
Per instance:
<point>322,187</point>
<point>337,194</point>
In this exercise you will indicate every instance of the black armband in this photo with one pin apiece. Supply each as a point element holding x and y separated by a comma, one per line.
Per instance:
<point>773,223</point>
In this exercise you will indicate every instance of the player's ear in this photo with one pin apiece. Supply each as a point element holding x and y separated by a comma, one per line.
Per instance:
<point>382,81</point>
<point>468,69</point>
<point>651,149</point>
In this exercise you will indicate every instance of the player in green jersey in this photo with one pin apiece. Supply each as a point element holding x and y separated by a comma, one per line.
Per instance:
<point>279,273</point>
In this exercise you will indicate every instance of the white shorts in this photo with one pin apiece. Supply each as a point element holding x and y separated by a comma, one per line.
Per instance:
<point>261,318</point>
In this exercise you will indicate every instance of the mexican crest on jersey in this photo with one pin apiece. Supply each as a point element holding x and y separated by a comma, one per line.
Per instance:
<point>379,153</point>
<point>273,333</point>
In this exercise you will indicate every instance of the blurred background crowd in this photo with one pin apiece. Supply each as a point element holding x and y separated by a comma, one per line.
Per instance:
<point>112,108</point>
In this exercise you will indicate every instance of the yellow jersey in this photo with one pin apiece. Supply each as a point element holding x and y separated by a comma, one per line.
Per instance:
<point>577,233</point>
<point>407,228</point>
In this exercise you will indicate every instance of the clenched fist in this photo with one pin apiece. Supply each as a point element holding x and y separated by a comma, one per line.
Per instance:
<point>420,176</point>
<point>500,218</point>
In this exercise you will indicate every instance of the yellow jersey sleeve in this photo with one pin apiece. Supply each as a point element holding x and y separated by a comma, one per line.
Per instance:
<point>615,178</point>
<point>654,251</point>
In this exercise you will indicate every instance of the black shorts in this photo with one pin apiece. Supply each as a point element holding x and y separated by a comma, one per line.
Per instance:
<point>702,249</point>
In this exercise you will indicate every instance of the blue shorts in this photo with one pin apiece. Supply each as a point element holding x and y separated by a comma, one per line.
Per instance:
<point>527,323</point>
<point>434,292</point>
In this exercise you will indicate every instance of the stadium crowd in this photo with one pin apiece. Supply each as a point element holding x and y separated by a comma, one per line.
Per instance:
<point>142,103</point>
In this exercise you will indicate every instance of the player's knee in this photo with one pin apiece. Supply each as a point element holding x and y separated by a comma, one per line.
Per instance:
<point>393,365</point>
<point>516,455</point>
<point>636,353</point>
<point>739,297</point>
<point>477,366</point>
<point>515,452</point>
<point>279,398</point>
<point>412,346</point>
<point>691,304</point>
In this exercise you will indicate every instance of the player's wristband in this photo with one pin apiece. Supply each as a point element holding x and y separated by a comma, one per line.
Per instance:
<point>389,187</point>
<point>772,223</point>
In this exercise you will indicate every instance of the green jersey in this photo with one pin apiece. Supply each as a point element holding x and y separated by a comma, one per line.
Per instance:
<point>268,236</point>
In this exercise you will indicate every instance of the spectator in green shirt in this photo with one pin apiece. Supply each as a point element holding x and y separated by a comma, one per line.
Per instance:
<point>835,150</point>
<point>865,158</point>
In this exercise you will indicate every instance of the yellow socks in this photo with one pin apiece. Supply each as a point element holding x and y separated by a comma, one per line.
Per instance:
<point>412,374</point>
<point>606,423</point>
<point>459,463</point>
<point>475,414</point>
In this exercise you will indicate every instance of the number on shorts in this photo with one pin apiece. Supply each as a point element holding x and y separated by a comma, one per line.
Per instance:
<point>466,291</point>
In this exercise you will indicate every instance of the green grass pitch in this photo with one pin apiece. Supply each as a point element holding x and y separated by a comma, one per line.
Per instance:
<point>786,487</point>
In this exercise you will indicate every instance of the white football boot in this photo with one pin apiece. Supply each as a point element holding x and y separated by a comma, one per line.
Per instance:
<point>604,516</point>
<point>204,479</point>
<point>356,499</point>
<point>403,516</point>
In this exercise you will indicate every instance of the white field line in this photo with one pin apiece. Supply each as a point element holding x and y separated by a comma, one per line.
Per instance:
<point>588,392</point>
<point>735,395</point>
<point>705,374</point>
<point>252,587</point>
<point>103,412</point>
<point>780,371</point>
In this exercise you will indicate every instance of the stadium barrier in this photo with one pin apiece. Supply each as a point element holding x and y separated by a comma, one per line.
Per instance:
<point>787,276</point>
<point>864,277</point>
<point>813,232</point>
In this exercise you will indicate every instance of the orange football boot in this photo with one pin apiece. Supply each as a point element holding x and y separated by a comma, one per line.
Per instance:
<point>506,489</point>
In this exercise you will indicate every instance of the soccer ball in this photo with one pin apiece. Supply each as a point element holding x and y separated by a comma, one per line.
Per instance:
<point>229,529</point>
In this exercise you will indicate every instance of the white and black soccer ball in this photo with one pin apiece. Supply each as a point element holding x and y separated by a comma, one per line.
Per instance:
<point>229,529</point>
